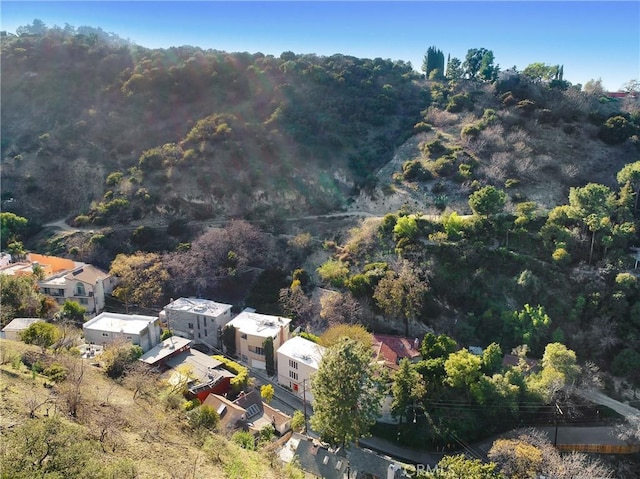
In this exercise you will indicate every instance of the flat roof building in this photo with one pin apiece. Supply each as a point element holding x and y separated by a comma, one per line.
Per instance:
<point>108,328</point>
<point>251,331</point>
<point>200,320</point>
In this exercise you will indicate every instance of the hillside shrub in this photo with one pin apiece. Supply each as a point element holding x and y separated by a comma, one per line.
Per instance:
<point>434,148</point>
<point>616,130</point>
<point>114,178</point>
<point>334,272</point>
<point>442,167</point>
<point>508,99</point>
<point>422,127</point>
<point>309,336</point>
<point>561,256</point>
<point>526,106</point>
<point>414,170</point>
<point>244,439</point>
<point>56,372</point>
<point>470,131</point>
<point>81,220</point>
<point>459,102</point>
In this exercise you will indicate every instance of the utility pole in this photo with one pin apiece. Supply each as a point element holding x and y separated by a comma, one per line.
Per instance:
<point>557,412</point>
<point>304,403</point>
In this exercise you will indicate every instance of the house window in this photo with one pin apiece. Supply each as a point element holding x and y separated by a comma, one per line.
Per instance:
<point>83,300</point>
<point>198,320</point>
<point>47,290</point>
<point>293,364</point>
<point>205,333</point>
<point>106,335</point>
<point>190,325</point>
<point>60,292</point>
<point>205,321</point>
<point>293,375</point>
<point>257,350</point>
<point>80,291</point>
<point>198,335</point>
<point>243,336</point>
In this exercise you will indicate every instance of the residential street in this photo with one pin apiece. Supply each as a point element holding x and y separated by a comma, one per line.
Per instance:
<point>288,402</point>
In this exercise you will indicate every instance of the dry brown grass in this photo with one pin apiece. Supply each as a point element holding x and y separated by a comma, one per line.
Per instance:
<point>158,440</point>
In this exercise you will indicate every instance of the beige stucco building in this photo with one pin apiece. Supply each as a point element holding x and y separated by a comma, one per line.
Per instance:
<point>251,331</point>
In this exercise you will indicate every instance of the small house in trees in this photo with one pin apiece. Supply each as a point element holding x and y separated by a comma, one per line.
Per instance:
<point>200,320</point>
<point>298,360</point>
<point>249,413</point>
<point>108,328</point>
<point>251,331</point>
<point>16,326</point>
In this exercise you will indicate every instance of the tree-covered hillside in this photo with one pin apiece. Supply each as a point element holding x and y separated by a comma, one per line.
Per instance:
<point>190,132</point>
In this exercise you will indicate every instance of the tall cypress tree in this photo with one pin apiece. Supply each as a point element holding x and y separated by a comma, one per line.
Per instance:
<point>269,357</point>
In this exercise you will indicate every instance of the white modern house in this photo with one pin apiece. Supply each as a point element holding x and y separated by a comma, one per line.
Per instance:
<point>251,331</point>
<point>298,360</point>
<point>200,320</point>
<point>108,328</point>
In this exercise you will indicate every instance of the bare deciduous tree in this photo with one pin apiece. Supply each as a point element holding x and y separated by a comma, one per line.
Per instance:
<point>340,308</point>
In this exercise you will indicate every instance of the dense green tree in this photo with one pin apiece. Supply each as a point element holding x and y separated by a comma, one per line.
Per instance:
<point>559,371</point>
<point>402,295</point>
<point>488,71</point>
<point>492,359</point>
<point>527,326</point>
<point>627,364</point>
<point>540,71</point>
<point>41,334</point>
<point>12,227</point>
<point>346,393</point>
<point>487,201</point>
<point>406,228</point>
<point>229,340</point>
<point>19,297</point>
<point>437,346</point>
<point>433,61</point>
<point>463,369</point>
<point>479,63</point>
<point>72,311</point>
<point>593,205</point>
<point>407,388</point>
<point>455,71</point>
<point>630,173</point>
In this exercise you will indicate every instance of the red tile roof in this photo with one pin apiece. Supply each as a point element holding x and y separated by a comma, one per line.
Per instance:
<point>394,348</point>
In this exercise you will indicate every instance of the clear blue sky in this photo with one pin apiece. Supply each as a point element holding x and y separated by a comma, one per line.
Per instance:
<point>591,39</point>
